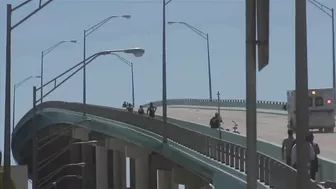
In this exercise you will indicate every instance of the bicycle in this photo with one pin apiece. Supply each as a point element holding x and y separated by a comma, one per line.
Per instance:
<point>235,127</point>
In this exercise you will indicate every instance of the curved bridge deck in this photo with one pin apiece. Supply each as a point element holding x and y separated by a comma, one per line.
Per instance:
<point>222,158</point>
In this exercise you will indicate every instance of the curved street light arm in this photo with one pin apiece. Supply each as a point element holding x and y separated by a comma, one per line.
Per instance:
<point>60,179</point>
<point>21,5</point>
<point>45,52</point>
<point>56,85</point>
<point>29,15</point>
<point>129,63</point>
<point>53,173</point>
<point>98,25</point>
<point>58,134</point>
<point>24,80</point>
<point>322,7</point>
<point>52,157</point>
<point>199,32</point>
<point>101,23</point>
<point>135,51</point>
<point>50,175</point>
<point>65,72</point>
<point>167,2</point>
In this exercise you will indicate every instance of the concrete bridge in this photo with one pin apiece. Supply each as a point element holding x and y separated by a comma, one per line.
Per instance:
<point>102,138</point>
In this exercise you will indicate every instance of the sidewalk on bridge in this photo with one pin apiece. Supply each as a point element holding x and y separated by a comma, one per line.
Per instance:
<point>277,112</point>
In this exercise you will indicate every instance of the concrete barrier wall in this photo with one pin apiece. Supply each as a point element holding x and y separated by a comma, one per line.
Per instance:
<point>327,170</point>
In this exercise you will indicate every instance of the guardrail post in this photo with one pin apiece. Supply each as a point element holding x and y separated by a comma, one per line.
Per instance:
<point>262,168</point>
<point>222,152</point>
<point>236,155</point>
<point>242,159</point>
<point>231,155</point>
<point>208,147</point>
<point>227,154</point>
<point>267,171</point>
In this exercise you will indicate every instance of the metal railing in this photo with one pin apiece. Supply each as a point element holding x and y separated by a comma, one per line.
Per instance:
<point>271,172</point>
<point>261,104</point>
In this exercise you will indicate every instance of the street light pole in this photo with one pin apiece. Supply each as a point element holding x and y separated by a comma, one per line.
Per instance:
<point>130,64</point>
<point>14,95</point>
<point>206,37</point>
<point>43,54</point>
<point>301,94</point>
<point>251,97</point>
<point>87,32</point>
<point>329,12</point>
<point>209,67</point>
<point>333,52</point>
<point>132,73</point>
<point>135,51</point>
<point>6,177</point>
<point>7,129</point>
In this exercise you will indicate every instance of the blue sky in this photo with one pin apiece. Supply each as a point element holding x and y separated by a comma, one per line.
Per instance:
<point>108,81</point>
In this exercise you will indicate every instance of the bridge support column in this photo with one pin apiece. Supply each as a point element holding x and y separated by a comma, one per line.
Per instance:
<point>86,156</point>
<point>132,173</point>
<point>101,168</point>
<point>165,180</point>
<point>119,170</point>
<point>110,168</point>
<point>75,157</point>
<point>142,172</point>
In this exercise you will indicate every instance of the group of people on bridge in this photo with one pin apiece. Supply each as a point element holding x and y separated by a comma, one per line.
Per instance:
<point>289,152</point>
<point>150,110</point>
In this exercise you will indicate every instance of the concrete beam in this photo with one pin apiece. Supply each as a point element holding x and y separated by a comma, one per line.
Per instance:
<point>135,152</point>
<point>101,138</point>
<point>161,163</point>
<point>116,144</point>
<point>80,133</point>
<point>189,179</point>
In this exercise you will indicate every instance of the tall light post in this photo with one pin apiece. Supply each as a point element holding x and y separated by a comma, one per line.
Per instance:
<point>47,51</point>
<point>329,12</point>
<point>8,85</point>
<point>87,32</point>
<point>130,64</point>
<point>14,94</point>
<point>206,37</point>
<point>138,52</point>
<point>164,71</point>
<point>301,94</point>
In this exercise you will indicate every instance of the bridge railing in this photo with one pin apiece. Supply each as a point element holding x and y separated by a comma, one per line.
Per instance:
<point>327,167</point>
<point>239,103</point>
<point>270,171</point>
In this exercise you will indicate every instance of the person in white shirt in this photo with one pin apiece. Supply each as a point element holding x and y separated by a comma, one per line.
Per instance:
<point>294,154</point>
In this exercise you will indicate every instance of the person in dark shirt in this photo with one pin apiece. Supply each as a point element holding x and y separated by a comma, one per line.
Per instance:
<point>141,111</point>
<point>124,105</point>
<point>151,110</point>
<point>215,121</point>
<point>129,108</point>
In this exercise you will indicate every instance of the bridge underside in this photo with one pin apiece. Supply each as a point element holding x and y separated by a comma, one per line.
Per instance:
<point>105,162</point>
